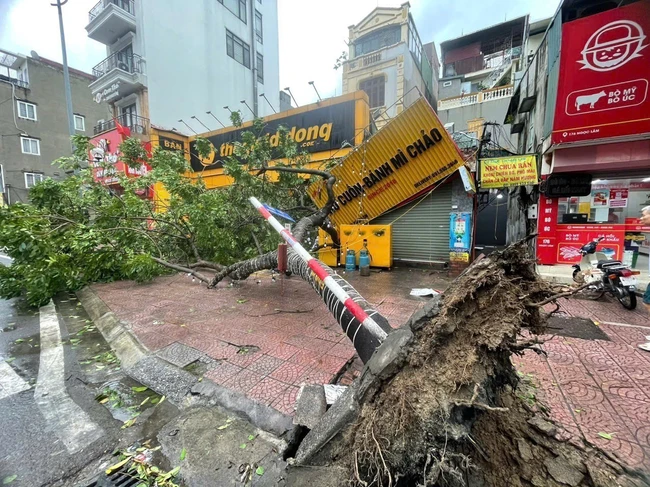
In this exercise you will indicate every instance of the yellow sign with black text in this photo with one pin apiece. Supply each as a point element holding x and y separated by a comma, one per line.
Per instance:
<point>502,172</point>
<point>411,153</point>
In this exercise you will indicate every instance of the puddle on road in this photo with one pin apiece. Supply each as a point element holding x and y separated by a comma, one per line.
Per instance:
<point>126,398</point>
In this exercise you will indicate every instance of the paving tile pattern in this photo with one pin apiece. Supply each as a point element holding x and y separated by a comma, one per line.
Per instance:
<point>600,386</point>
<point>257,349</point>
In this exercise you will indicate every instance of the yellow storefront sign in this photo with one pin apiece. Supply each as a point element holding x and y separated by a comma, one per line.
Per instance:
<point>502,172</point>
<point>411,153</point>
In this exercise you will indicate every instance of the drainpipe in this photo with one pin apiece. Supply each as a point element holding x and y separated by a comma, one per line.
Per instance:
<point>254,56</point>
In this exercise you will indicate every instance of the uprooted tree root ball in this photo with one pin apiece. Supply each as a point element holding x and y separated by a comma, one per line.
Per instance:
<point>454,414</point>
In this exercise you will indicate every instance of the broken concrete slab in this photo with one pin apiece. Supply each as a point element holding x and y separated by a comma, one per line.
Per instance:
<point>163,378</point>
<point>343,413</point>
<point>222,449</point>
<point>310,406</point>
<point>260,415</point>
<point>388,356</point>
<point>179,354</point>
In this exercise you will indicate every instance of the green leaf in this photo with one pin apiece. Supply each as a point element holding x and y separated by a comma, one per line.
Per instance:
<point>20,340</point>
<point>223,426</point>
<point>155,400</point>
<point>607,436</point>
<point>146,400</point>
<point>183,454</point>
<point>139,388</point>
<point>10,359</point>
<point>251,437</point>
<point>259,470</point>
<point>241,301</point>
<point>128,423</point>
<point>242,446</point>
<point>9,479</point>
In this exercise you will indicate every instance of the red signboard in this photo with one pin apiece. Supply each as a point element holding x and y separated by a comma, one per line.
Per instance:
<point>603,88</point>
<point>635,225</point>
<point>105,158</point>
<point>571,237</point>
<point>546,230</point>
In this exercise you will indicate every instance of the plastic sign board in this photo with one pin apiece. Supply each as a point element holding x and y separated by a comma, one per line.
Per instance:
<point>603,88</point>
<point>409,154</point>
<point>503,172</point>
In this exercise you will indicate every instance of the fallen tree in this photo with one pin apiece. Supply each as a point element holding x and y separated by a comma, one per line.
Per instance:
<point>453,411</point>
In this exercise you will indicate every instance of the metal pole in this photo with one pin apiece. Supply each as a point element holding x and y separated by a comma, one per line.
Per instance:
<point>66,73</point>
<point>341,294</point>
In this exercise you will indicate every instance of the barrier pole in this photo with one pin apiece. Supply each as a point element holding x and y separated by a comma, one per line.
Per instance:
<point>356,310</point>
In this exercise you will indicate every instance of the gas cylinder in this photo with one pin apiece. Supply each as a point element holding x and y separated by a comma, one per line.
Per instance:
<point>364,260</point>
<point>350,260</point>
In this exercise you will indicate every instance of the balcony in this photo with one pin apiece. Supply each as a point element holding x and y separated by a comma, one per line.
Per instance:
<point>479,97</point>
<point>111,19</point>
<point>138,125</point>
<point>118,75</point>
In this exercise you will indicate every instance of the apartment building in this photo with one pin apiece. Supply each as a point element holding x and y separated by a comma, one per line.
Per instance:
<point>387,60</point>
<point>185,65</point>
<point>33,126</point>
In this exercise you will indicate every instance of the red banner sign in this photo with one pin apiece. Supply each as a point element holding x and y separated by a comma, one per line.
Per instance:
<point>105,158</point>
<point>603,88</point>
<point>572,237</point>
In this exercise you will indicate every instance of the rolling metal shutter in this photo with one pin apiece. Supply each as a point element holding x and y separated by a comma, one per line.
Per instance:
<point>421,228</point>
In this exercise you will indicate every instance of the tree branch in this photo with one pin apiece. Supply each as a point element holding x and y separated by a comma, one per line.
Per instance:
<point>561,295</point>
<point>180,268</point>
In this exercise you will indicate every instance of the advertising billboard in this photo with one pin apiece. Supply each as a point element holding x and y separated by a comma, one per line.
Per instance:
<point>604,87</point>
<point>408,155</point>
<point>503,172</point>
<point>315,130</point>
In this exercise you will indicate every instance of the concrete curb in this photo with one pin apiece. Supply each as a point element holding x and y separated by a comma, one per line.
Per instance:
<point>127,347</point>
<point>182,388</point>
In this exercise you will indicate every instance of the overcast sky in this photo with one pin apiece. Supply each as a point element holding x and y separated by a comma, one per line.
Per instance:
<point>312,33</point>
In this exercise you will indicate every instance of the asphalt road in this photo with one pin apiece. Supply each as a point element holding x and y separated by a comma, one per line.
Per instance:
<point>50,423</point>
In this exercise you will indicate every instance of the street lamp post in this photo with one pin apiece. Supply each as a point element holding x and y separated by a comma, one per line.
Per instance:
<point>66,73</point>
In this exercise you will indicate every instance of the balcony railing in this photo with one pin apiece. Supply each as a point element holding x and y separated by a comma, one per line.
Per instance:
<point>478,97</point>
<point>126,5</point>
<point>136,123</point>
<point>131,63</point>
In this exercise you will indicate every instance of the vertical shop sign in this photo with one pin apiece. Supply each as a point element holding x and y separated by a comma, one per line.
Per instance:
<point>460,236</point>
<point>546,228</point>
<point>603,88</point>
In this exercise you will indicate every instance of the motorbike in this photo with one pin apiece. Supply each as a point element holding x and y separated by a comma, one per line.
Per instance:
<point>605,275</point>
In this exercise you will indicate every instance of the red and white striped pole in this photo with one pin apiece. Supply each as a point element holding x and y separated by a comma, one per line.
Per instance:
<point>356,310</point>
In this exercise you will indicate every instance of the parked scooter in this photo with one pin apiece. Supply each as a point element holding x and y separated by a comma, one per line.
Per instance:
<point>606,275</point>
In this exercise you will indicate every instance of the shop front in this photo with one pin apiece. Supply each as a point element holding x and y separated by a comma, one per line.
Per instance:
<point>601,206</point>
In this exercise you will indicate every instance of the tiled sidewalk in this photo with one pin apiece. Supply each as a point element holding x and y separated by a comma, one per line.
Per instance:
<point>591,387</point>
<point>598,386</point>
<point>267,341</point>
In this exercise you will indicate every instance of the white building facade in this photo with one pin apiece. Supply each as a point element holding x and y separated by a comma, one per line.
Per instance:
<point>169,61</point>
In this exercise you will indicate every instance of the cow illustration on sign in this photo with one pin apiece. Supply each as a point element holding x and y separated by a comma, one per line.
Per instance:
<point>613,45</point>
<point>590,100</point>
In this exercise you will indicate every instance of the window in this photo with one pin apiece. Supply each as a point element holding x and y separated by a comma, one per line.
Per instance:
<point>129,115</point>
<point>31,178</point>
<point>238,49</point>
<point>378,39</point>
<point>79,123</point>
<point>260,68</point>
<point>258,27</point>
<point>375,89</point>
<point>31,146</point>
<point>26,110</point>
<point>237,7</point>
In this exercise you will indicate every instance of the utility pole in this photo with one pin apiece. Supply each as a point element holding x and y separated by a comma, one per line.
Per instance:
<point>66,73</point>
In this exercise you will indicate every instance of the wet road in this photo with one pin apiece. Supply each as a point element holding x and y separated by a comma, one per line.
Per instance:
<point>50,423</point>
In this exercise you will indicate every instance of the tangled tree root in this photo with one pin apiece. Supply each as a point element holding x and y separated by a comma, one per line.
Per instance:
<point>453,415</point>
